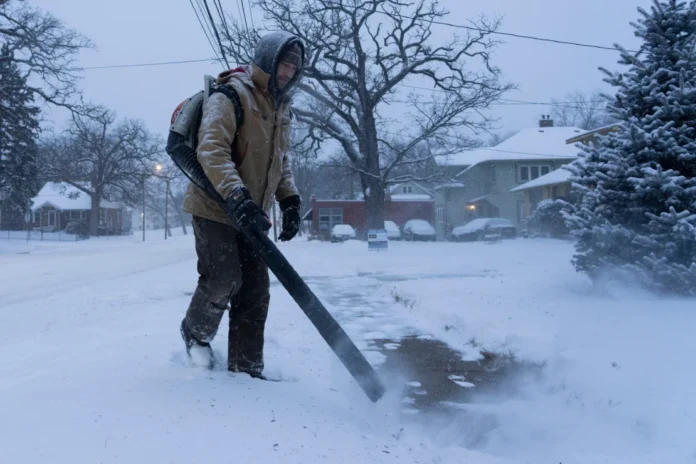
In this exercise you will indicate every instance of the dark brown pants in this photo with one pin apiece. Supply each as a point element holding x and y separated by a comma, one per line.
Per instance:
<point>230,271</point>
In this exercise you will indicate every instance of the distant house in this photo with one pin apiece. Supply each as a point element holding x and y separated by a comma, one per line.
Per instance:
<point>410,191</point>
<point>556,184</point>
<point>553,186</point>
<point>482,180</point>
<point>402,202</point>
<point>58,204</point>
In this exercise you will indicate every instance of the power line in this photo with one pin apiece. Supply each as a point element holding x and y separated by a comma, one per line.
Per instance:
<point>251,16</point>
<point>212,24</point>
<point>221,13</point>
<point>520,36</point>
<point>160,63</point>
<point>530,37</point>
<point>201,22</point>
<point>216,59</point>
<point>504,102</point>
<point>246,24</point>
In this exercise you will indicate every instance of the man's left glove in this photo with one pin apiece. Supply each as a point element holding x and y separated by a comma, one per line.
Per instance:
<point>290,206</point>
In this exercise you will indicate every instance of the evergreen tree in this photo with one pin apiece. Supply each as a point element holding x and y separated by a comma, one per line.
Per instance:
<point>637,216</point>
<point>19,128</point>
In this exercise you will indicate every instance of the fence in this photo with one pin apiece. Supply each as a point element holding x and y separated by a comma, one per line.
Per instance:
<point>28,235</point>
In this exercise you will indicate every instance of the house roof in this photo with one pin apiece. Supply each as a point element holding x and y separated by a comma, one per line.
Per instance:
<point>58,195</point>
<point>559,176</point>
<point>600,130</point>
<point>538,143</point>
<point>411,197</point>
<point>392,188</point>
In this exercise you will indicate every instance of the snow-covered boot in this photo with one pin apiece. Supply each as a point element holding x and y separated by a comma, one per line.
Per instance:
<point>200,353</point>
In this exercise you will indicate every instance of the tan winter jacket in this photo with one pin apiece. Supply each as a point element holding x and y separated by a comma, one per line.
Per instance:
<point>256,157</point>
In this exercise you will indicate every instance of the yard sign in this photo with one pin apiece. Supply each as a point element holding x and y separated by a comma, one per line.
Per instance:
<point>377,240</point>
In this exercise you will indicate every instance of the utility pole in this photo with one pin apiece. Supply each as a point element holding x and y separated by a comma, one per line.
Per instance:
<point>166,208</point>
<point>144,207</point>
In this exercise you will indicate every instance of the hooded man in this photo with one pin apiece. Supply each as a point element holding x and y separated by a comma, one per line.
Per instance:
<point>249,167</point>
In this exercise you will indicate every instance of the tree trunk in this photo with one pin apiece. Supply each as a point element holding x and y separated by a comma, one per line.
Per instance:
<point>94,214</point>
<point>372,179</point>
<point>374,203</point>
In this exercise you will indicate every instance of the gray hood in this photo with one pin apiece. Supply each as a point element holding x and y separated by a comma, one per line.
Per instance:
<point>268,51</point>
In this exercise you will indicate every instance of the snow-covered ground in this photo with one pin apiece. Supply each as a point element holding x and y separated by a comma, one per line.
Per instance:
<point>92,367</point>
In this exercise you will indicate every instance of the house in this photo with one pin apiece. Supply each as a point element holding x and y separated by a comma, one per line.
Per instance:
<point>410,191</point>
<point>482,180</point>
<point>556,184</point>
<point>58,204</point>
<point>552,186</point>
<point>402,202</point>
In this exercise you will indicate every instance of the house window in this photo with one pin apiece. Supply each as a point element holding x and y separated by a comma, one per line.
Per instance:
<point>407,189</point>
<point>83,214</point>
<point>524,173</point>
<point>440,214</point>
<point>37,216</point>
<point>329,217</point>
<point>531,172</point>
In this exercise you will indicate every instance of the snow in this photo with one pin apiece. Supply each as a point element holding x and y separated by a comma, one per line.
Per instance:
<point>57,195</point>
<point>92,365</point>
<point>343,230</point>
<point>411,197</point>
<point>528,144</point>
<point>392,229</point>
<point>480,223</point>
<point>558,176</point>
<point>419,226</point>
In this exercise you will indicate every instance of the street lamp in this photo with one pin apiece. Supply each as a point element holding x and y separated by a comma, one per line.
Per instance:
<point>160,169</point>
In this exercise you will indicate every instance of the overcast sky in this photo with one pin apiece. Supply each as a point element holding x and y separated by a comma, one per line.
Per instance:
<point>142,31</point>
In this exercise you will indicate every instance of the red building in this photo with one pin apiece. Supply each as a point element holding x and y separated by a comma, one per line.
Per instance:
<point>327,213</point>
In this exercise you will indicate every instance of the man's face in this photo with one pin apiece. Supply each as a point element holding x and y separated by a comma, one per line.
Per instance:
<point>285,72</point>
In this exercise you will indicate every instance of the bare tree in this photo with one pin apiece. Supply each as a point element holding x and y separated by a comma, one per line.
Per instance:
<point>578,109</point>
<point>103,159</point>
<point>360,56</point>
<point>44,49</point>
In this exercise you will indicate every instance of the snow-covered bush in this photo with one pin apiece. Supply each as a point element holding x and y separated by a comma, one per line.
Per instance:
<point>548,219</point>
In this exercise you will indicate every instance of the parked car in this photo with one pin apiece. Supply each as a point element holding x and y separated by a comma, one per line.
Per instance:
<point>342,232</point>
<point>480,227</point>
<point>418,229</point>
<point>393,232</point>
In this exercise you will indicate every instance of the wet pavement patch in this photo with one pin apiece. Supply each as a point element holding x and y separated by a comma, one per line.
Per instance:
<point>437,375</point>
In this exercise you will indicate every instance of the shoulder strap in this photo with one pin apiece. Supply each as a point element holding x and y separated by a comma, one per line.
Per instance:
<point>231,93</point>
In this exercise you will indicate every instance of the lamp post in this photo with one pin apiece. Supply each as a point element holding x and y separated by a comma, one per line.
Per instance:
<point>160,169</point>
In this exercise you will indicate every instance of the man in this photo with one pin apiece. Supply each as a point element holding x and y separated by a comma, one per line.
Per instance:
<point>250,168</point>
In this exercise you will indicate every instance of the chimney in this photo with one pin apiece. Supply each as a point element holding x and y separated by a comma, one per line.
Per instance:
<point>546,121</point>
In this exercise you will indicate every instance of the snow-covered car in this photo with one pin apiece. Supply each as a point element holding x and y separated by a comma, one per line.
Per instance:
<point>480,227</point>
<point>342,232</point>
<point>393,232</point>
<point>419,229</point>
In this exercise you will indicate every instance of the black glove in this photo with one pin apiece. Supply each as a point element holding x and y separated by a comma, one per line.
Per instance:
<point>246,213</point>
<point>290,206</point>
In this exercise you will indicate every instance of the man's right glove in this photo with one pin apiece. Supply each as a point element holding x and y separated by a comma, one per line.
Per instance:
<point>246,213</point>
